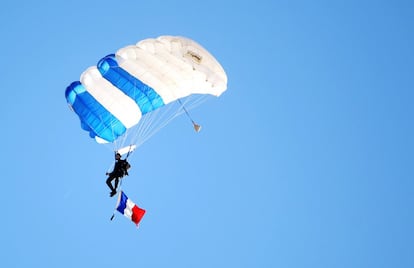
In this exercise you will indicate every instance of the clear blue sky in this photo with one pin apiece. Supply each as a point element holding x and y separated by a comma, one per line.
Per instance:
<point>306,161</point>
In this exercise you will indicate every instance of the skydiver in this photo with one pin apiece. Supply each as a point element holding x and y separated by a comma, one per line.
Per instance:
<point>120,170</point>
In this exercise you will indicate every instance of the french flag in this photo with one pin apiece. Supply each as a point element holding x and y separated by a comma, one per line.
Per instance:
<point>129,209</point>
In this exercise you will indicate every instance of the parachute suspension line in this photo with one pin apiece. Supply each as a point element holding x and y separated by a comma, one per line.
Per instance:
<point>150,123</point>
<point>113,134</point>
<point>197,127</point>
<point>126,157</point>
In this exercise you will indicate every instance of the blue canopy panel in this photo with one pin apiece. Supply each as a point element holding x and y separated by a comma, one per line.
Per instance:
<point>93,116</point>
<point>145,96</point>
<point>97,118</point>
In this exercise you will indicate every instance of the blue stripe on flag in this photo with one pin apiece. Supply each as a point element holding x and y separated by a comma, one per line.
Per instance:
<point>145,96</point>
<point>94,117</point>
<point>122,203</point>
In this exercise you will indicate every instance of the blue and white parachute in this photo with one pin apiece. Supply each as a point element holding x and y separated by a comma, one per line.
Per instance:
<point>131,94</point>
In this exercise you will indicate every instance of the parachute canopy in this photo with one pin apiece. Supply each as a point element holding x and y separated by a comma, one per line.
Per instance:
<point>139,80</point>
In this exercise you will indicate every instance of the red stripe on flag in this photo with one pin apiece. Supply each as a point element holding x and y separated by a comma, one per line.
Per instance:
<point>137,214</point>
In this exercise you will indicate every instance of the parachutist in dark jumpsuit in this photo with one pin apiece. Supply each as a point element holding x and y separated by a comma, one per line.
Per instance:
<point>120,170</point>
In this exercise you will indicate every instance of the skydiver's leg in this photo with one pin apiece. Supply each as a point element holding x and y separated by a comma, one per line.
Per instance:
<point>116,183</point>
<point>109,182</point>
